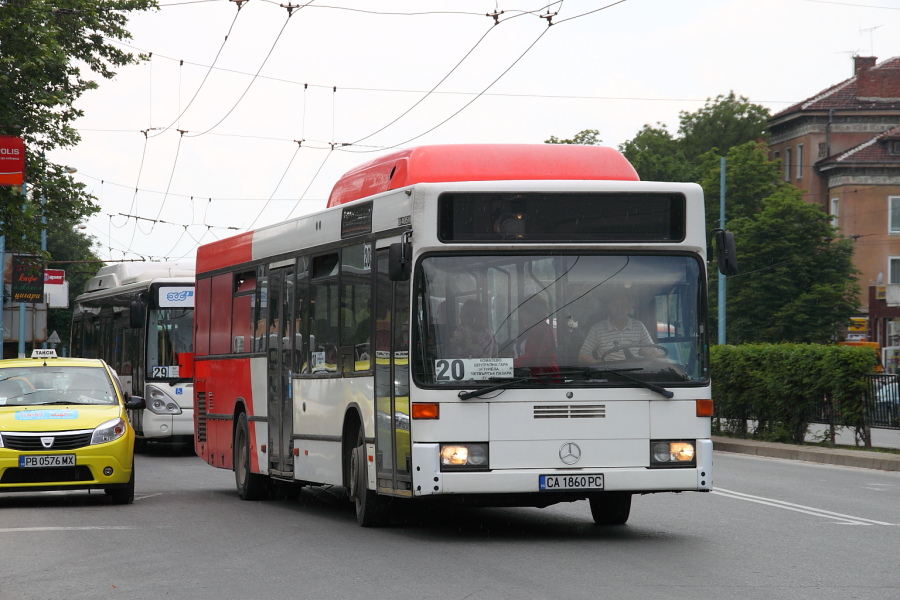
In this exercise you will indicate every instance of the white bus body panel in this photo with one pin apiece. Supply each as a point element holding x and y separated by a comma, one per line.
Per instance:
<point>319,409</point>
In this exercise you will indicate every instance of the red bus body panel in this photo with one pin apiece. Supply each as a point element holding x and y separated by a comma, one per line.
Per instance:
<point>225,253</point>
<point>481,162</point>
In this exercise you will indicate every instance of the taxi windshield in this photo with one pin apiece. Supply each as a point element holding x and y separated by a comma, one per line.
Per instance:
<point>46,385</point>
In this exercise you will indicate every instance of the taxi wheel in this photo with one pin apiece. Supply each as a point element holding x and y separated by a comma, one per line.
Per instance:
<point>125,494</point>
<point>372,510</point>
<point>611,508</point>
<point>250,486</point>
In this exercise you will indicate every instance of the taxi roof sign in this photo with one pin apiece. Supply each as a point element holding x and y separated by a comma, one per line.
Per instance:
<point>43,353</point>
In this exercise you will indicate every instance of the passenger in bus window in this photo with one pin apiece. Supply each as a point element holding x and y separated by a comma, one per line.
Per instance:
<point>473,338</point>
<point>537,350</point>
<point>618,329</point>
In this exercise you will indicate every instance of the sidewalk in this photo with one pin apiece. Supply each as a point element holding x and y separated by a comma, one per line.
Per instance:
<point>865,459</point>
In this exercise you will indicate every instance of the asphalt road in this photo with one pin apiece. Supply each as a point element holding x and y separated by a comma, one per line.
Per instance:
<point>772,529</point>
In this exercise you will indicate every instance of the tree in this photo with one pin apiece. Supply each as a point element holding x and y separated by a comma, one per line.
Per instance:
<point>750,178</point>
<point>43,50</point>
<point>797,276</point>
<point>73,252</point>
<point>713,130</point>
<point>587,137</point>
<point>656,155</point>
<point>722,123</point>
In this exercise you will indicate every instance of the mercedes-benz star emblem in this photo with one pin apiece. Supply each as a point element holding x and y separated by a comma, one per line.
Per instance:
<point>569,453</point>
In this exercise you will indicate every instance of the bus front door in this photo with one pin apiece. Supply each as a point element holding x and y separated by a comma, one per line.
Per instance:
<point>392,440</point>
<point>278,365</point>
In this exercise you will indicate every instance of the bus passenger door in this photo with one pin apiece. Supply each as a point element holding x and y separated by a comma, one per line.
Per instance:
<point>280,325</point>
<point>392,439</point>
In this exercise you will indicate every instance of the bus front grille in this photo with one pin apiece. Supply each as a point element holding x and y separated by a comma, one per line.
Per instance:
<point>570,411</point>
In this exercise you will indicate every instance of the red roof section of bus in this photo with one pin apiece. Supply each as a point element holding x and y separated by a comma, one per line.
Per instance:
<point>481,162</point>
<point>225,253</point>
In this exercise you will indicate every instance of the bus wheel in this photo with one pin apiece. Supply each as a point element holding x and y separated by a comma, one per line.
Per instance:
<point>611,508</point>
<point>250,486</point>
<point>372,510</point>
<point>124,494</point>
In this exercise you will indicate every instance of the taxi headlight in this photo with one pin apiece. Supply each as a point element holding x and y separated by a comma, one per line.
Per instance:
<point>109,431</point>
<point>158,402</point>
<point>455,457</point>
<point>672,453</point>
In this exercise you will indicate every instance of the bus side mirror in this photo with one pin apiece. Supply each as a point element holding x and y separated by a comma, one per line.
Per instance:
<point>725,252</point>
<point>400,261</point>
<point>137,311</point>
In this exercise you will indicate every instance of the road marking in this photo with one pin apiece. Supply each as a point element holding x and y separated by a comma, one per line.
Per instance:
<point>33,529</point>
<point>809,510</point>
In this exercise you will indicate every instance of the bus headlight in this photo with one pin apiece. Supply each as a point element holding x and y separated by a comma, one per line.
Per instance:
<point>672,453</point>
<point>464,457</point>
<point>158,402</point>
<point>109,431</point>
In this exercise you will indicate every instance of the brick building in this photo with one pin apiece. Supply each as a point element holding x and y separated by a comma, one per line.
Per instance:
<point>842,148</point>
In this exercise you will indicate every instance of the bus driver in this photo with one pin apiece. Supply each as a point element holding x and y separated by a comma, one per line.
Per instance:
<point>617,330</point>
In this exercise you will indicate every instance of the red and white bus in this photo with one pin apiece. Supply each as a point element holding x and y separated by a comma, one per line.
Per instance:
<point>332,349</point>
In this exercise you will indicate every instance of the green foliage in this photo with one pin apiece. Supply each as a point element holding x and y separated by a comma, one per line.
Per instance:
<point>721,124</point>
<point>780,386</point>
<point>587,137</point>
<point>71,251</point>
<point>796,282</point>
<point>44,49</point>
<point>657,156</point>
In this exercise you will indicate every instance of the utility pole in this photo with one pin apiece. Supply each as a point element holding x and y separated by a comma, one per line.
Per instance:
<point>722,275</point>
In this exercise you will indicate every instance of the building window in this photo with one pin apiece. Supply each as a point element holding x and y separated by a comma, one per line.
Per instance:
<point>894,214</point>
<point>893,269</point>
<point>834,212</point>
<point>787,164</point>
<point>822,149</point>
<point>894,147</point>
<point>800,161</point>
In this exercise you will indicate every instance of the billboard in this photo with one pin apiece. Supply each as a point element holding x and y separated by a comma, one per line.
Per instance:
<point>12,160</point>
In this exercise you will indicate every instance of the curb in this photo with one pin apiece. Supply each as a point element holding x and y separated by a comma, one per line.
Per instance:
<point>862,459</point>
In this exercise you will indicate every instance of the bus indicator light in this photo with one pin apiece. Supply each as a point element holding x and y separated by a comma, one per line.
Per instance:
<point>426,410</point>
<point>704,407</point>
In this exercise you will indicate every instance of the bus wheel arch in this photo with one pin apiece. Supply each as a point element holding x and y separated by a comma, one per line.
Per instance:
<point>372,510</point>
<point>250,485</point>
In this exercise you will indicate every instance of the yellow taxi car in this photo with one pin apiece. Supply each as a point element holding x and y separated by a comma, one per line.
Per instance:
<point>63,427</point>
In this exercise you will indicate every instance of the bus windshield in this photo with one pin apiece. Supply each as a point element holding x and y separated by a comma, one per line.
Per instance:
<point>169,334</point>
<point>568,319</point>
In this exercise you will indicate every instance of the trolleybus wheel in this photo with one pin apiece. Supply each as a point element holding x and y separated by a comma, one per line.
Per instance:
<point>372,510</point>
<point>611,508</point>
<point>250,486</point>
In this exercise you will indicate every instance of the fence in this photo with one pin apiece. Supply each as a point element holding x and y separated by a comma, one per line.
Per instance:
<point>880,409</point>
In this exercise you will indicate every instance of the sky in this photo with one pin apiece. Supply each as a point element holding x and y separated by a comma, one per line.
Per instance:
<point>242,118</point>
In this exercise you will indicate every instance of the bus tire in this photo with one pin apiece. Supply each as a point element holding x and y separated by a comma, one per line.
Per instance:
<point>372,510</point>
<point>124,494</point>
<point>611,508</point>
<point>250,486</point>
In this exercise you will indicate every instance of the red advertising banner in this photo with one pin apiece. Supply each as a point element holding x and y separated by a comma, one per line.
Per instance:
<point>54,277</point>
<point>12,160</point>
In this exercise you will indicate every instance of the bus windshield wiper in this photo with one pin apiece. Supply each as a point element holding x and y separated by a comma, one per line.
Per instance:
<point>621,373</point>
<point>504,384</point>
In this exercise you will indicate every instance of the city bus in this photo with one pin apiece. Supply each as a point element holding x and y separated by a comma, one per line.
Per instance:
<point>329,348</point>
<point>138,317</point>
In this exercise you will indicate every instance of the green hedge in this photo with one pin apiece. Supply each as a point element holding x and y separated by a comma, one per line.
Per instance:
<point>780,386</point>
